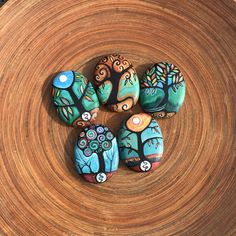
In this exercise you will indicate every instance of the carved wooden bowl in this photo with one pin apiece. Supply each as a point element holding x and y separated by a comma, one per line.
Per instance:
<point>192,192</point>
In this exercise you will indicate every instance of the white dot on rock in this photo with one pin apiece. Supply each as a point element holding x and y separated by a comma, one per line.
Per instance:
<point>63,78</point>
<point>136,120</point>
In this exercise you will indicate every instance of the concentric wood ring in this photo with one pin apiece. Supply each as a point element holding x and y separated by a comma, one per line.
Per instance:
<point>192,192</point>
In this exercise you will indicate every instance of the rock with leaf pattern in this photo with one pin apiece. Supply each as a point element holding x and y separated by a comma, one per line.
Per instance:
<point>162,90</point>
<point>75,98</point>
<point>140,143</point>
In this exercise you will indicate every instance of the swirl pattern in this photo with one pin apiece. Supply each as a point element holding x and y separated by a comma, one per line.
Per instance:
<point>101,138</point>
<point>106,145</point>
<point>82,143</point>
<point>91,134</point>
<point>117,83</point>
<point>94,145</point>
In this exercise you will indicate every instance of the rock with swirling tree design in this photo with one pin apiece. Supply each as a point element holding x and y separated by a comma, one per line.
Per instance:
<point>75,98</point>
<point>140,143</point>
<point>96,154</point>
<point>162,90</point>
<point>117,83</point>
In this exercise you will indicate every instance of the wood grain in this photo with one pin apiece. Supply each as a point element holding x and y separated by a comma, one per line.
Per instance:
<point>192,193</point>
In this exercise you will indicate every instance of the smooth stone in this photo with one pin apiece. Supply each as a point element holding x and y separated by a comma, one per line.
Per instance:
<point>162,90</point>
<point>96,154</point>
<point>75,98</point>
<point>117,83</point>
<point>140,142</point>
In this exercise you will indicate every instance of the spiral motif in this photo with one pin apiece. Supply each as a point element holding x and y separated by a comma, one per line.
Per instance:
<point>117,66</point>
<point>91,134</point>
<point>105,59</point>
<point>125,107</point>
<point>160,114</point>
<point>94,145</point>
<point>106,145</point>
<point>109,135</point>
<point>127,75</point>
<point>82,143</point>
<point>101,138</point>
<point>87,152</point>
<point>100,129</point>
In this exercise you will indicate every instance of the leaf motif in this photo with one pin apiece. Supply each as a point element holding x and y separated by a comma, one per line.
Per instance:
<point>88,98</point>
<point>160,69</point>
<point>70,110</point>
<point>154,84</point>
<point>163,78</point>
<point>181,78</point>
<point>65,101</point>
<point>148,78</point>
<point>58,93</point>
<point>154,80</point>
<point>173,78</point>
<point>162,65</point>
<point>65,113</point>
<point>81,89</point>
<point>152,70</point>
<point>153,76</point>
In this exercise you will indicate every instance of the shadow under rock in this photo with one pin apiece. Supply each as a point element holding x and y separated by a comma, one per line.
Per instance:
<point>89,67</point>
<point>142,68</point>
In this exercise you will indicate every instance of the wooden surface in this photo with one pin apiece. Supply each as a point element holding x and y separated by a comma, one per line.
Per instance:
<point>192,193</point>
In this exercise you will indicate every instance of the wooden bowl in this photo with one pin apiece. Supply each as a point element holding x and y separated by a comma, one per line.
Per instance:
<point>192,192</point>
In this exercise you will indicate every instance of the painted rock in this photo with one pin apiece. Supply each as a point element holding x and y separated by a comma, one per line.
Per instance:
<point>96,153</point>
<point>75,98</point>
<point>117,83</point>
<point>162,90</point>
<point>140,142</point>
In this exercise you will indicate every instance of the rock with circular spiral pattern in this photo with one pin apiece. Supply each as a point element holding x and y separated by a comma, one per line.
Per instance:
<point>96,153</point>
<point>141,143</point>
<point>162,90</point>
<point>117,83</point>
<point>75,98</point>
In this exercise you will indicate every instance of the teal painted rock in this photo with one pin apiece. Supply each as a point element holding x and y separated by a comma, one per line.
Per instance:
<point>162,90</point>
<point>96,154</point>
<point>117,83</point>
<point>140,143</point>
<point>75,98</point>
